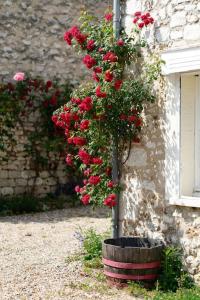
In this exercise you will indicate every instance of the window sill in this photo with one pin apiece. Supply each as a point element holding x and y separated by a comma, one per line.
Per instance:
<point>186,201</point>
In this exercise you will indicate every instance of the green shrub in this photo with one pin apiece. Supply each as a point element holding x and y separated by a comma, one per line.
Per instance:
<point>26,203</point>
<point>182,294</point>
<point>173,276</point>
<point>92,244</point>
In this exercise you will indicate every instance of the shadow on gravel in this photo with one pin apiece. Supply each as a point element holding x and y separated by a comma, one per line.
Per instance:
<point>58,215</point>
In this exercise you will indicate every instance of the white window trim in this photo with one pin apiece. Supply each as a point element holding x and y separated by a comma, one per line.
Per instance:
<point>177,62</point>
<point>197,137</point>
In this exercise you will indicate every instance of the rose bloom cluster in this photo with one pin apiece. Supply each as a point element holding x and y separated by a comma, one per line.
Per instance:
<point>142,19</point>
<point>80,114</point>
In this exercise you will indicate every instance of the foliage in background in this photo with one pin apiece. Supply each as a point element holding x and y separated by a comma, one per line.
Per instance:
<point>107,111</point>
<point>91,243</point>
<point>173,275</point>
<point>29,104</point>
<point>29,204</point>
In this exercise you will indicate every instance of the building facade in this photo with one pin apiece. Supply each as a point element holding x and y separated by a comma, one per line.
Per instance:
<point>162,175</point>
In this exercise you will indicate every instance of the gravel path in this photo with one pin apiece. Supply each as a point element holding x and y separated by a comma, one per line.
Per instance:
<point>33,252</point>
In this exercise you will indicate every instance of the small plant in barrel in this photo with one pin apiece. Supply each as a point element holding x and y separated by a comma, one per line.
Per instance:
<point>106,112</point>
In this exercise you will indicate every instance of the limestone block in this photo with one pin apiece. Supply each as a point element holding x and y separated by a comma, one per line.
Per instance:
<point>190,7</point>
<point>150,145</point>
<point>132,6</point>
<point>192,32</point>
<point>178,19</point>
<point>21,182</point>
<point>38,181</point>
<point>44,174</point>
<point>162,13</point>
<point>148,185</point>
<point>7,182</point>
<point>176,34</point>
<point>192,19</point>
<point>6,191</point>
<point>14,174</point>
<point>162,34</point>
<point>50,181</point>
<point>137,158</point>
<point>3,174</point>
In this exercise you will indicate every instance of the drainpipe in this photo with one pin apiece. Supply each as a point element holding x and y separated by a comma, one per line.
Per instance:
<point>115,156</point>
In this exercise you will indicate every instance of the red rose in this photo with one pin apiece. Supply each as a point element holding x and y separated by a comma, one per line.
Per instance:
<point>132,118</point>
<point>70,140</point>
<point>85,181</point>
<point>97,161</point>
<point>48,84</point>
<point>123,117</point>
<point>68,38</point>
<point>66,117</point>
<point>110,184</point>
<point>138,123</point>
<point>86,199</point>
<point>110,56</point>
<point>108,76</point>
<point>95,77</point>
<point>100,50</point>
<point>69,160</point>
<point>137,14</point>
<point>66,132</point>
<point>136,140</point>
<point>77,189</point>
<point>84,156</point>
<point>151,20</point>
<point>86,104</point>
<point>118,84</point>
<point>87,172</point>
<point>135,20</point>
<point>79,141</point>
<point>74,31</point>
<point>120,42</point>
<point>94,180</point>
<point>84,124</point>
<point>66,108</point>
<point>97,70</point>
<point>108,171</point>
<point>54,118</point>
<point>80,38</point>
<point>75,117</point>
<point>89,61</point>
<point>91,45</point>
<point>53,100</point>
<point>108,17</point>
<point>141,25</point>
<point>110,201</point>
<point>99,93</point>
<point>76,100</point>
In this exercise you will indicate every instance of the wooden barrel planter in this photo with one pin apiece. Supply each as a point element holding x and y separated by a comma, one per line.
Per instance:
<point>132,259</point>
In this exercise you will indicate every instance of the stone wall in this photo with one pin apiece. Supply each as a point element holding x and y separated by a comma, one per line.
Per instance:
<point>31,37</point>
<point>31,41</point>
<point>144,209</point>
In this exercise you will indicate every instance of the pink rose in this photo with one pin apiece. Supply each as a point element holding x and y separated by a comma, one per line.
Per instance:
<point>19,76</point>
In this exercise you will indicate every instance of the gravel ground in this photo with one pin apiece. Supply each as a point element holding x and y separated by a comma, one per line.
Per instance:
<point>33,252</point>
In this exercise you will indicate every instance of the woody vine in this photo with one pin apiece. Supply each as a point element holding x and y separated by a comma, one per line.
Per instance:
<point>110,107</point>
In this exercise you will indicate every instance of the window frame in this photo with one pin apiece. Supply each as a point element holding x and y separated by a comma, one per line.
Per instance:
<point>173,69</point>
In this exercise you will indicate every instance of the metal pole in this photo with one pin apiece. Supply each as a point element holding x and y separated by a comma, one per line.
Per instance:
<point>115,154</point>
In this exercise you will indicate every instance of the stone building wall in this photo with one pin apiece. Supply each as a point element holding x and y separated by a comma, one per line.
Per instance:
<point>31,37</point>
<point>31,41</point>
<point>144,210</point>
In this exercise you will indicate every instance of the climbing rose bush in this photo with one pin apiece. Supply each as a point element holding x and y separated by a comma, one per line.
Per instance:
<point>107,110</point>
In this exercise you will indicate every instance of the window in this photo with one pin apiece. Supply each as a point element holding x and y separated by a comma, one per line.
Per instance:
<point>182,123</point>
<point>190,136</point>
